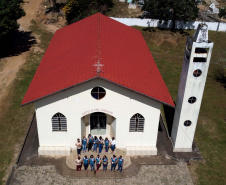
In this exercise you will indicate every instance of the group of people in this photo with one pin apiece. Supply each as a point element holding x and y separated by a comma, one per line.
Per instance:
<point>93,142</point>
<point>91,161</point>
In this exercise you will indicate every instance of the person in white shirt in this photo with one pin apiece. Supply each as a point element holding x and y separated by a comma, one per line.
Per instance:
<point>79,146</point>
<point>113,142</point>
<point>79,163</point>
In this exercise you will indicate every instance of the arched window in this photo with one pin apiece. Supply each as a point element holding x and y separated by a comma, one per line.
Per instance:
<point>59,122</point>
<point>136,123</point>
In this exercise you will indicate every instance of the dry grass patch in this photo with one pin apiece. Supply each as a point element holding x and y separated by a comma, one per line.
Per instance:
<point>120,9</point>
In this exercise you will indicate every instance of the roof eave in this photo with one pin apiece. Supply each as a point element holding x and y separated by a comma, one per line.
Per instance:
<point>139,93</point>
<point>93,79</point>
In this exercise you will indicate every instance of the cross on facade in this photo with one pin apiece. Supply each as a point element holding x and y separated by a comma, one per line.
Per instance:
<point>98,65</point>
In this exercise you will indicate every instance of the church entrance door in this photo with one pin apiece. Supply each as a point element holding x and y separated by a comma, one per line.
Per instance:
<point>98,122</point>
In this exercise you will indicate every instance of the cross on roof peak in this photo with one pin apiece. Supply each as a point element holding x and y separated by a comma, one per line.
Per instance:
<point>98,65</point>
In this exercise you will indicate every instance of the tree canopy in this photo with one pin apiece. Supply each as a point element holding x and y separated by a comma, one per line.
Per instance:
<point>222,13</point>
<point>10,12</point>
<point>78,9</point>
<point>165,10</point>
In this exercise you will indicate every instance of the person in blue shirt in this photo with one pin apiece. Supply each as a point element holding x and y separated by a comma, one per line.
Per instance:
<point>113,162</point>
<point>95,144</point>
<point>106,141</point>
<point>98,160</point>
<point>101,143</point>
<point>90,142</point>
<point>86,162</point>
<point>105,163</point>
<point>92,162</point>
<point>84,143</point>
<point>120,163</point>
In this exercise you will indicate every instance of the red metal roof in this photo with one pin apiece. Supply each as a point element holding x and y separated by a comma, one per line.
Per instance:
<point>74,50</point>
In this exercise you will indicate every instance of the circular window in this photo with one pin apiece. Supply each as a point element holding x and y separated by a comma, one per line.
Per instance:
<point>192,99</point>
<point>187,123</point>
<point>98,93</point>
<point>197,73</point>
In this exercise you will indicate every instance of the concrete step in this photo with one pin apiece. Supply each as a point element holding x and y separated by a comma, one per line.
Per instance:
<point>101,154</point>
<point>71,160</point>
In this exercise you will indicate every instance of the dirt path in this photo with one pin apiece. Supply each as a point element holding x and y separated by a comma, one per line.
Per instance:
<point>12,64</point>
<point>31,8</point>
<point>8,73</point>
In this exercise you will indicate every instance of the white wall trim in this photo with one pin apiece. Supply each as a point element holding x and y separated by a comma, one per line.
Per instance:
<point>214,26</point>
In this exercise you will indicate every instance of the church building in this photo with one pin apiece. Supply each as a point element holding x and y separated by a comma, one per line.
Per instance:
<point>97,76</point>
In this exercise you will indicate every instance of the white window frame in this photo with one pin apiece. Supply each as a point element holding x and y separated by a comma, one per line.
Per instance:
<point>137,123</point>
<point>59,123</point>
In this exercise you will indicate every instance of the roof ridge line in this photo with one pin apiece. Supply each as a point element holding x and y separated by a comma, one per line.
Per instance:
<point>98,37</point>
<point>98,62</point>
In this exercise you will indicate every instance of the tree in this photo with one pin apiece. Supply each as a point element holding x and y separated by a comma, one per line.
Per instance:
<point>222,13</point>
<point>165,10</point>
<point>10,12</point>
<point>76,10</point>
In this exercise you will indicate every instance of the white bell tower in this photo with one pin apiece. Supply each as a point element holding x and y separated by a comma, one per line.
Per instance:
<point>192,82</point>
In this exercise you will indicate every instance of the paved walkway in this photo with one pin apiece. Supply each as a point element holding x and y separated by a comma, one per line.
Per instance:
<point>147,175</point>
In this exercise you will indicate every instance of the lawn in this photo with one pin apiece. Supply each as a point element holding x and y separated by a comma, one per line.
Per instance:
<point>167,49</point>
<point>16,119</point>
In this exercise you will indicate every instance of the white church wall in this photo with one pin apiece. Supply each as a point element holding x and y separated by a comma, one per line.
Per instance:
<point>86,121</point>
<point>77,102</point>
<point>108,127</point>
<point>180,95</point>
<point>113,129</point>
<point>83,128</point>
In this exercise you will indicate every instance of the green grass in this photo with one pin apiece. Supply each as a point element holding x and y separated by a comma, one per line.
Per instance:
<point>16,119</point>
<point>168,50</point>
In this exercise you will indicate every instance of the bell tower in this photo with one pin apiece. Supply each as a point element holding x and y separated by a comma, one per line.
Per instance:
<point>192,82</point>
